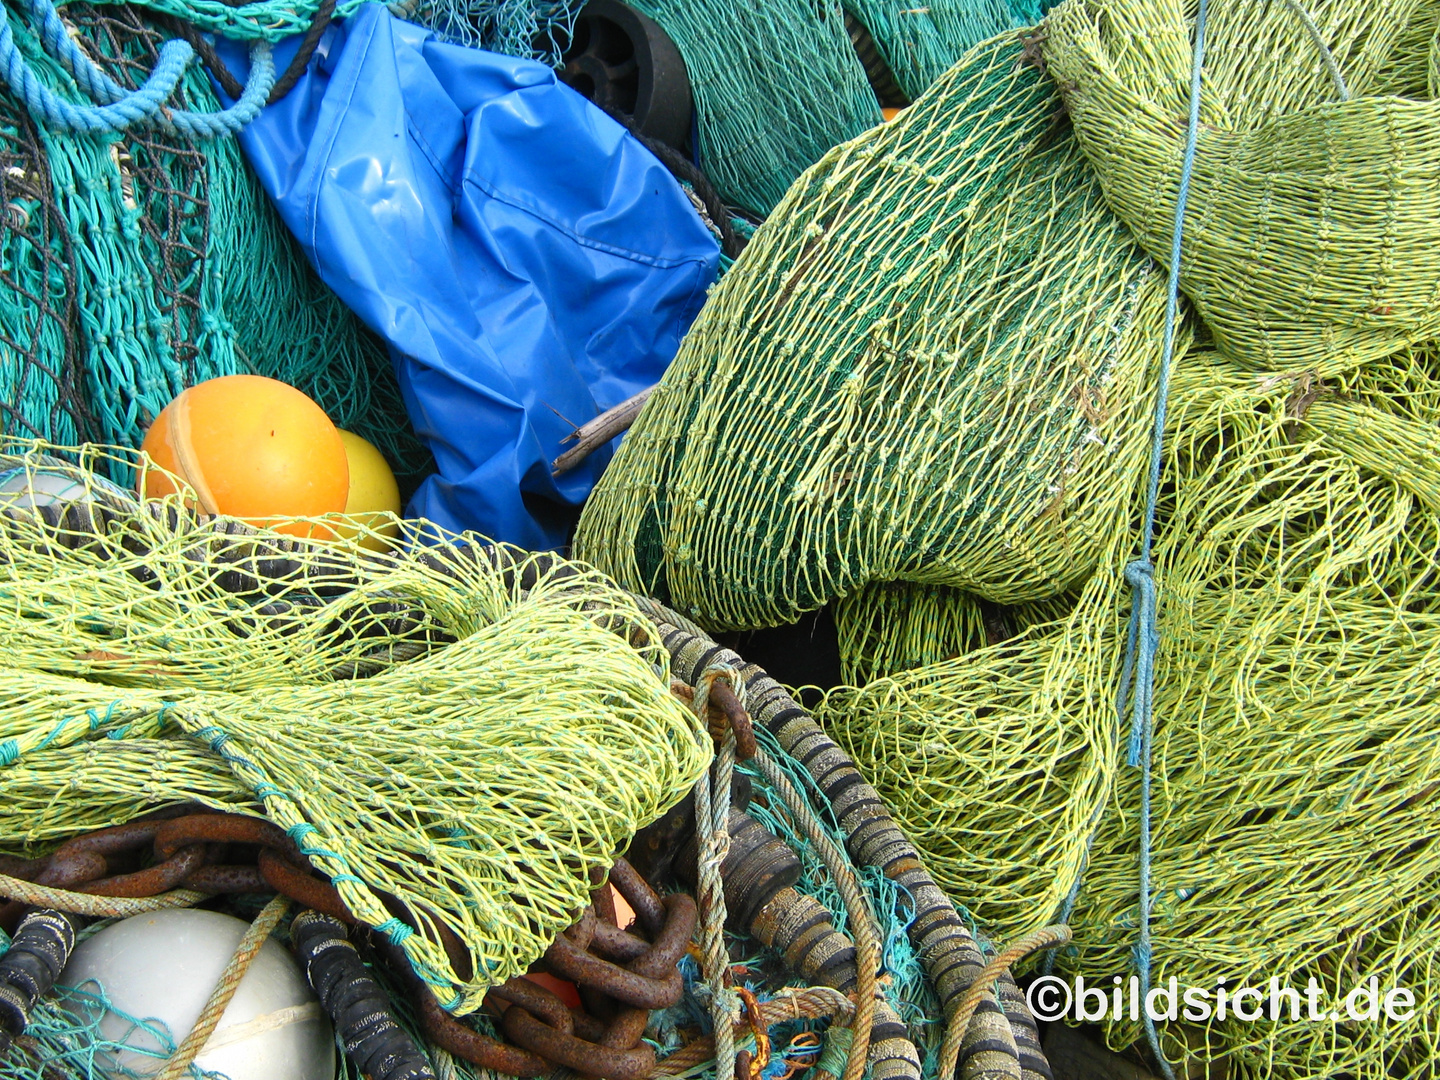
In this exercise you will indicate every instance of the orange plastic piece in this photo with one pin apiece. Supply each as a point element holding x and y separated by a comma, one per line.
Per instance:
<point>252,448</point>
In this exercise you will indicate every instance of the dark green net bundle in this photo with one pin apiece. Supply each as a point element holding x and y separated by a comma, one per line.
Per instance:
<point>926,368</point>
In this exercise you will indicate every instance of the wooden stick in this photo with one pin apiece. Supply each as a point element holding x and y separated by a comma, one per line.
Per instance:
<point>590,437</point>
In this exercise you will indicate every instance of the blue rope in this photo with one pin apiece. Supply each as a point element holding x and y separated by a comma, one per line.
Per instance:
<point>1144,637</point>
<point>121,109</point>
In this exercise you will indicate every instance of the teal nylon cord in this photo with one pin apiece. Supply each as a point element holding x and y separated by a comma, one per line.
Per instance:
<point>1144,636</point>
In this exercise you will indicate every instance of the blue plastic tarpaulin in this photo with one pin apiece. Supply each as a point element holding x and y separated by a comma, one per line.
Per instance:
<point>529,263</point>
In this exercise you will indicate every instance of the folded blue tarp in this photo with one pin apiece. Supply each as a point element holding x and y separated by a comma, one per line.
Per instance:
<point>529,263</point>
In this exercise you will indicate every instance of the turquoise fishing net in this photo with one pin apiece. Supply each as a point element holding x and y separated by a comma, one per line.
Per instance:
<point>920,41</point>
<point>136,265</point>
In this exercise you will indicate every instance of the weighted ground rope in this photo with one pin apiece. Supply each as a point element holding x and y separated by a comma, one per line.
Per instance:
<point>940,938</point>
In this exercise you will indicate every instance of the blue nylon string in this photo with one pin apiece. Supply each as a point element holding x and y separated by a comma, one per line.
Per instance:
<point>1137,680</point>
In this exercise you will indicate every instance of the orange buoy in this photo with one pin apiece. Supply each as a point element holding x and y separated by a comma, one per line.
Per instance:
<point>252,448</point>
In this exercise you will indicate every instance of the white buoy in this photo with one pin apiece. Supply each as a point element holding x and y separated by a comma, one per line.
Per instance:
<point>164,966</point>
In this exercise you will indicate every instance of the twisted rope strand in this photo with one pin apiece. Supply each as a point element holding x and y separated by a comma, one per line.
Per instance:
<point>249,948</point>
<point>1144,634</point>
<point>857,907</point>
<point>120,108</point>
<point>712,814</point>
<point>100,907</point>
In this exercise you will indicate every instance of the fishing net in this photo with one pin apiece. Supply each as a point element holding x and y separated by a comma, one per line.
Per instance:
<point>1294,751</point>
<point>1314,210</point>
<point>926,367</point>
<point>539,29</point>
<point>776,85</point>
<point>64,1040</point>
<point>891,626</point>
<point>1298,528</point>
<point>135,265</point>
<point>477,783</point>
<point>919,42</point>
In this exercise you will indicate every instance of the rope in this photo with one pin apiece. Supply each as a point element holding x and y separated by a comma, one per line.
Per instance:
<point>712,815</point>
<point>1045,938</point>
<point>1341,90</point>
<point>205,1024</point>
<point>1144,635</point>
<point>857,907</point>
<point>190,33</point>
<point>813,1003</point>
<point>122,108</point>
<point>100,907</point>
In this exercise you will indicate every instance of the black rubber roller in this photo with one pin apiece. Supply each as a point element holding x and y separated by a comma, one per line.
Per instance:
<point>625,63</point>
<point>374,1042</point>
<point>37,955</point>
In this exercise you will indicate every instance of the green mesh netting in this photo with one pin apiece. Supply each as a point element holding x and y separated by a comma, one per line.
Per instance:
<point>919,42</point>
<point>1294,754</point>
<point>1313,220</point>
<point>467,729</point>
<point>1299,528</point>
<point>136,265</point>
<point>926,367</point>
<point>539,28</point>
<point>534,28</point>
<point>776,84</point>
<point>888,627</point>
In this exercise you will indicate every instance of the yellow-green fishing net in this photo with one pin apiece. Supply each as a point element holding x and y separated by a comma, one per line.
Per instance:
<point>927,367</point>
<point>1294,751</point>
<point>510,728</point>
<point>1314,209</point>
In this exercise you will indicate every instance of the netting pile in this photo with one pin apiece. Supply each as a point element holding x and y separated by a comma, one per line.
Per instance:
<point>928,366</point>
<point>778,84</point>
<point>1314,219</point>
<point>64,1042</point>
<point>1294,747</point>
<point>152,658</point>
<point>515,27</point>
<point>135,265</point>
<point>540,29</point>
<point>1294,759</point>
<point>920,42</point>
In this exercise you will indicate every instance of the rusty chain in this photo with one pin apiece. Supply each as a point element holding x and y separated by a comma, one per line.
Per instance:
<point>185,847</point>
